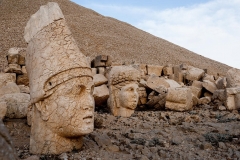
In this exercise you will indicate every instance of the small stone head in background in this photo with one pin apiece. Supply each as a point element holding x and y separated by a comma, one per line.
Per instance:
<point>123,88</point>
<point>61,84</point>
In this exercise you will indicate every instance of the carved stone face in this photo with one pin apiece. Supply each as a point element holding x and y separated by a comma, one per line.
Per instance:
<point>69,110</point>
<point>128,96</point>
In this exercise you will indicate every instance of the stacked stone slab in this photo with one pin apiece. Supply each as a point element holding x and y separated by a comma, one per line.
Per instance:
<point>100,62</point>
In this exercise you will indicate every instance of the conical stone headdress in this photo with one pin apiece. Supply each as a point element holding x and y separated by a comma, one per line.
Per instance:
<point>53,56</point>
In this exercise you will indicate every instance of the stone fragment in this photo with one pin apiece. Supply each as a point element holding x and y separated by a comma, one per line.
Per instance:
<point>222,108</point>
<point>113,148</point>
<point>24,89</point>
<point>196,91</point>
<point>100,94</point>
<point>168,70</point>
<point>10,87</point>
<point>3,109</point>
<point>12,57</point>
<point>195,100</point>
<point>208,94</point>
<point>24,70</point>
<point>142,96</point>
<point>94,71</point>
<point>221,83</point>
<point>179,99</point>
<point>219,95</point>
<point>179,75</point>
<point>21,58</point>
<point>208,77</point>
<point>102,140</point>
<point>210,86</point>
<point>194,73</point>
<point>22,80</point>
<point>233,98</point>
<point>142,68</point>
<point>17,104</point>
<point>154,82</point>
<point>233,78</point>
<point>7,151</point>
<point>154,69</point>
<point>100,61</point>
<point>109,61</point>
<point>101,70</point>
<point>123,85</point>
<point>99,79</point>
<point>204,100</point>
<point>172,83</point>
<point>13,68</point>
<point>7,77</point>
<point>157,98</point>
<point>60,80</point>
<point>197,84</point>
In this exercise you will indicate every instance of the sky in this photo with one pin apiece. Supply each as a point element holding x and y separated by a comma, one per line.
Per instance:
<point>210,28</point>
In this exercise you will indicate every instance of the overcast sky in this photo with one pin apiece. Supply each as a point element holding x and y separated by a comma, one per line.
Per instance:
<point>207,27</point>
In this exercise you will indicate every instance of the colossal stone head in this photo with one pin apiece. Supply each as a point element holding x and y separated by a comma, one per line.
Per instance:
<point>123,88</point>
<point>61,85</point>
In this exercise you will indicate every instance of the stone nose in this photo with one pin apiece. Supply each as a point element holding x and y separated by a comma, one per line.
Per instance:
<point>88,102</point>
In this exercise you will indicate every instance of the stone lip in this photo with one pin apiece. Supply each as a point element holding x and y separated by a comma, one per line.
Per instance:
<point>44,16</point>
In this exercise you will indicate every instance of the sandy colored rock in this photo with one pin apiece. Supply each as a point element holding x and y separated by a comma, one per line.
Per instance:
<point>24,89</point>
<point>17,104</point>
<point>61,87</point>
<point>24,70</point>
<point>157,98</point>
<point>94,71</point>
<point>99,79</point>
<point>197,84</point>
<point>142,68</point>
<point>3,109</point>
<point>179,99</point>
<point>142,96</point>
<point>9,88</point>
<point>101,70</point>
<point>100,61</point>
<point>168,70</point>
<point>210,86</point>
<point>221,83</point>
<point>101,94</point>
<point>7,77</point>
<point>204,100</point>
<point>23,80</point>
<point>233,78</point>
<point>208,77</point>
<point>13,56</point>
<point>194,73</point>
<point>232,98</point>
<point>172,83</point>
<point>154,69</point>
<point>123,85</point>
<point>196,91</point>
<point>13,68</point>
<point>154,82</point>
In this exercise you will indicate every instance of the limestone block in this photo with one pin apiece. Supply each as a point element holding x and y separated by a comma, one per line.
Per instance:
<point>94,71</point>
<point>99,79</point>
<point>179,99</point>
<point>100,61</point>
<point>123,85</point>
<point>61,86</point>
<point>12,58</point>
<point>142,68</point>
<point>219,95</point>
<point>109,61</point>
<point>196,91</point>
<point>233,98</point>
<point>195,100</point>
<point>22,80</point>
<point>208,77</point>
<point>3,110</point>
<point>6,145</point>
<point>9,88</point>
<point>24,70</point>
<point>221,83</point>
<point>17,104</point>
<point>101,70</point>
<point>101,94</point>
<point>172,83</point>
<point>210,86</point>
<point>142,96</point>
<point>157,98</point>
<point>21,59</point>
<point>154,82</point>
<point>167,70</point>
<point>204,100</point>
<point>233,78</point>
<point>24,89</point>
<point>194,73</point>
<point>208,94</point>
<point>7,77</point>
<point>197,84</point>
<point>178,74</point>
<point>13,68</point>
<point>154,69</point>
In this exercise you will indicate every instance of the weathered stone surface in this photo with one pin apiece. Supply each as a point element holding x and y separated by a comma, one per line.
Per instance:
<point>157,98</point>
<point>233,78</point>
<point>172,83</point>
<point>195,100</point>
<point>208,77</point>
<point>221,83</point>
<point>196,91</point>
<point>61,87</point>
<point>3,109</point>
<point>210,86</point>
<point>13,68</point>
<point>13,58</point>
<point>219,95</point>
<point>142,96</point>
<point>154,69</point>
<point>100,61</point>
<point>21,58</point>
<point>24,89</point>
<point>142,68</point>
<point>23,80</point>
<point>7,77</point>
<point>178,74</point>
<point>154,82</point>
<point>99,79</point>
<point>10,87</point>
<point>168,70</point>
<point>17,104</point>
<point>233,98</point>
<point>204,100</point>
<point>194,73</point>
<point>101,70</point>
<point>197,84</point>
<point>179,99</point>
<point>24,70</point>
<point>94,71</point>
<point>123,85</point>
<point>101,94</point>
<point>208,94</point>
<point>7,151</point>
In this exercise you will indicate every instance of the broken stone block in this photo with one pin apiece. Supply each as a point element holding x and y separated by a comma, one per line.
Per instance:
<point>13,68</point>
<point>204,100</point>
<point>94,71</point>
<point>219,95</point>
<point>210,86</point>
<point>196,91</point>
<point>99,79</point>
<point>233,98</point>
<point>142,68</point>
<point>197,84</point>
<point>21,59</point>
<point>9,88</point>
<point>179,99</point>
<point>101,70</point>
<point>168,70</point>
<point>100,61</point>
<point>109,61</point>
<point>22,80</point>
<point>142,96</point>
<point>208,77</point>
<point>24,71</point>
<point>194,73</point>
<point>17,104</point>
<point>208,94</point>
<point>7,77</point>
<point>154,82</point>
<point>24,89</point>
<point>12,58</point>
<point>178,74</point>
<point>3,109</point>
<point>154,69</point>
<point>172,83</point>
<point>157,98</point>
<point>233,78</point>
<point>221,83</point>
<point>101,94</point>
<point>195,100</point>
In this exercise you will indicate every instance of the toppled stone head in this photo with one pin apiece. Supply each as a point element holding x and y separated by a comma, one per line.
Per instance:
<point>61,85</point>
<point>123,87</point>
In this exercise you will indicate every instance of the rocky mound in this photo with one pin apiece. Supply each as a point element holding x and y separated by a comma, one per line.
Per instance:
<point>96,34</point>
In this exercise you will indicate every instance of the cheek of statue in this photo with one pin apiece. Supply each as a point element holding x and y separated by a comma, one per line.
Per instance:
<point>128,96</point>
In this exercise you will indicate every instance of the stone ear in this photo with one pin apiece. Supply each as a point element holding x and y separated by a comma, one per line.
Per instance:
<point>43,109</point>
